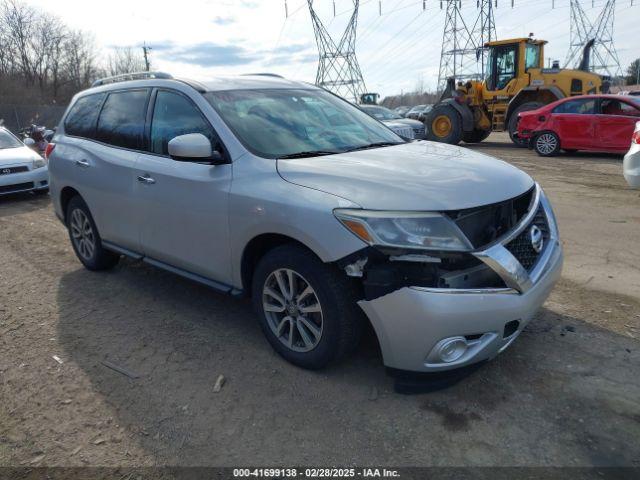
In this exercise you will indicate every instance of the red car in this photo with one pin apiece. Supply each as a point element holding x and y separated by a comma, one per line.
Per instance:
<point>597,123</point>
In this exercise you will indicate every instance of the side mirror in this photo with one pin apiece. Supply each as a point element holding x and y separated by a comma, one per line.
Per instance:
<point>29,142</point>
<point>194,147</point>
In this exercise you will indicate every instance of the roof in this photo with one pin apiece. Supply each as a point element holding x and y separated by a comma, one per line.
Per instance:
<point>510,41</point>
<point>240,82</point>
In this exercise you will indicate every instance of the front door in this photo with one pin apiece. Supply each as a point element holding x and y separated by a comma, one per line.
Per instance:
<point>574,122</point>
<point>184,205</point>
<point>615,123</point>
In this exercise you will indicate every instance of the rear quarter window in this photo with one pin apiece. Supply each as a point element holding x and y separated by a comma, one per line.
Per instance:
<point>122,119</point>
<point>82,118</point>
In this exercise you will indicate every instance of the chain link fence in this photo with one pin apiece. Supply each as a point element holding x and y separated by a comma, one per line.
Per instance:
<point>16,117</point>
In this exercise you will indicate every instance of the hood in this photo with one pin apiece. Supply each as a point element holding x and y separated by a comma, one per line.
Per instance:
<point>414,176</point>
<point>410,122</point>
<point>15,156</point>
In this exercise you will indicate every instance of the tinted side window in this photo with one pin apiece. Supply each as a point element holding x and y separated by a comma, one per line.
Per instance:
<point>175,115</point>
<point>580,107</point>
<point>81,121</point>
<point>121,121</point>
<point>616,107</point>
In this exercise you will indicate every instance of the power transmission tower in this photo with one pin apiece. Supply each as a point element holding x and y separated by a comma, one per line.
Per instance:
<point>462,46</point>
<point>604,57</point>
<point>338,69</point>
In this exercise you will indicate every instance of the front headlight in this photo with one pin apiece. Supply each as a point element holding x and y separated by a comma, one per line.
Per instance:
<point>413,230</point>
<point>39,163</point>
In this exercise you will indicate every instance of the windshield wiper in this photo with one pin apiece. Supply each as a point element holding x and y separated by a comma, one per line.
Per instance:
<point>310,153</point>
<point>374,145</point>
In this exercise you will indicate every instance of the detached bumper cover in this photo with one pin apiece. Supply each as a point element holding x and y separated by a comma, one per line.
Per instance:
<point>411,322</point>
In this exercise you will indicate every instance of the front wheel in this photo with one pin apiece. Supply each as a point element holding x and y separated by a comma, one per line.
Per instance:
<point>444,125</point>
<point>307,309</point>
<point>546,144</point>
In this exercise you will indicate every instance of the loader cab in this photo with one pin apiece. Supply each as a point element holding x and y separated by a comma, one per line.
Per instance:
<point>508,61</point>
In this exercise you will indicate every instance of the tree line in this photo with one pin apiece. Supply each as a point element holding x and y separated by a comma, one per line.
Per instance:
<point>43,61</point>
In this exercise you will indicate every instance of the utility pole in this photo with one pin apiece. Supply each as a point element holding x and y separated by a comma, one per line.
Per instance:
<point>145,51</point>
<point>338,69</point>
<point>604,57</point>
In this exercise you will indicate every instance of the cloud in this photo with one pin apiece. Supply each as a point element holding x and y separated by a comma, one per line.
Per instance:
<point>207,54</point>
<point>224,20</point>
<point>212,54</point>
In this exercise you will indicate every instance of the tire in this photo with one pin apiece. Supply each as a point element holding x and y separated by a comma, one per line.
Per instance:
<point>513,122</point>
<point>337,326</point>
<point>444,125</point>
<point>475,136</point>
<point>85,239</point>
<point>546,144</point>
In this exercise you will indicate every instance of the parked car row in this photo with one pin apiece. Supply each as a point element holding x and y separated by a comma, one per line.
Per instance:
<point>396,122</point>
<point>315,210</point>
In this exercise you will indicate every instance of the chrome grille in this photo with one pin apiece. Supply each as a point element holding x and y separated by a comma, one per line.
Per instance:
<point>521,247</point>
<point>420,132</point>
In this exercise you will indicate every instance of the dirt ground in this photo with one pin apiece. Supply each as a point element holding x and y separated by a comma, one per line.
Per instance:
<point>565,394</point>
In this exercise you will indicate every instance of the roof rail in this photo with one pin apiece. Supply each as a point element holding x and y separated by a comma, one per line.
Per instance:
<point>125,77</point>
<point>262,75</point>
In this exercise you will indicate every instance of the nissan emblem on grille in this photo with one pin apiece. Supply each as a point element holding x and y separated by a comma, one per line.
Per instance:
<point>537,240</point>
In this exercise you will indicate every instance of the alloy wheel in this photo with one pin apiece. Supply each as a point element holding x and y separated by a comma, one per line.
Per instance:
<point>82,234</point>
<point>292,309</point>
<point>546,143</point>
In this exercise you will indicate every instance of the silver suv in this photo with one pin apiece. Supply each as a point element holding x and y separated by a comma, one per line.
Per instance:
<point>283,192</point>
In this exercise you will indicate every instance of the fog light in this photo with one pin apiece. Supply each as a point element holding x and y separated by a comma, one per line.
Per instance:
<point>452,349</point>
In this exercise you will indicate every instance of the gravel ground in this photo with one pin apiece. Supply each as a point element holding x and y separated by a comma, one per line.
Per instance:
<point>565,394</point>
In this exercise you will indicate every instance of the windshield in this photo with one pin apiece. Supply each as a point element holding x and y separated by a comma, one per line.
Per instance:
<point>531,56</point>
<point>418,108</point>
<point>276,123</point>
<point>381,113</point>
<point>7,140</point>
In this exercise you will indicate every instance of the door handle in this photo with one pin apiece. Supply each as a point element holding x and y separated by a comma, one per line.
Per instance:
<point>146,179</point>
<point>83,163</point>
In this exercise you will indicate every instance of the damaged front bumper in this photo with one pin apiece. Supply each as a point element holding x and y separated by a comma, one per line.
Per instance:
<point>427,329</point>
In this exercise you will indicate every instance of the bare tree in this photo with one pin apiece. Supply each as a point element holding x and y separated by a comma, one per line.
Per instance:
<point>125,60</point>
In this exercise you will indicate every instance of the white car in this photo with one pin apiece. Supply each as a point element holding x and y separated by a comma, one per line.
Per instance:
<point>631,164</point>
<point>21,169</point>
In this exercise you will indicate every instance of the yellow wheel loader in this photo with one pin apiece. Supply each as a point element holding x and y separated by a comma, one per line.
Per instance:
<point>516,81</point>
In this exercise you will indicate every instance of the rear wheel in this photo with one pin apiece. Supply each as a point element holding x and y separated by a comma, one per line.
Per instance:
<point>513,122</point>
<point>307,309</point>
<point>444,125</point>
<point>85,238</point>
<point>546,144</point>
<point>475,136</point>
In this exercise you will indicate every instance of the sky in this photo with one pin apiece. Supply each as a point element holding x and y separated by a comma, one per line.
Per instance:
<point>397,50</point>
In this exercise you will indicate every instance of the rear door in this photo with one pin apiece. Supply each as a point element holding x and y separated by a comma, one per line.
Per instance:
<point>184,205</point>
<point>615,123</point>
<point>119,139</point>
<point>103,134</point>
<point>574,121</point>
